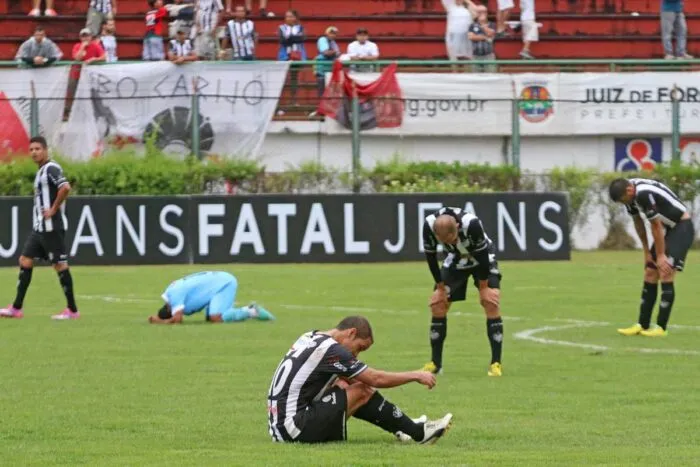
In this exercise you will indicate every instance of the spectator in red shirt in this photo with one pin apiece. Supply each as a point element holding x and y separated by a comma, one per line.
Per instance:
<point>153,42</point>
<point>88,50</point>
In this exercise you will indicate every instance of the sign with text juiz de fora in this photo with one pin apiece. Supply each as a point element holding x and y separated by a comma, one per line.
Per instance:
<point>283,228</point>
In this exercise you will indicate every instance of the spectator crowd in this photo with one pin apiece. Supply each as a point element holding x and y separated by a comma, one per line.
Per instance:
<point>210,30</point>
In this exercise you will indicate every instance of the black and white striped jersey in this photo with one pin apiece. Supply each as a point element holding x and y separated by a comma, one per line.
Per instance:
<point>103,6</point>
<point>656,201</point>
<point>241,34</point>
<point>49,178</point>
<point>181,49</point>
<point>306,372</point>
<point>472,250</point>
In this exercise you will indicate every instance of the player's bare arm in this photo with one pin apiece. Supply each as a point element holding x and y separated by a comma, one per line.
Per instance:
<point>61,197</point>
<point>385,379</point>
<point>176,318</point>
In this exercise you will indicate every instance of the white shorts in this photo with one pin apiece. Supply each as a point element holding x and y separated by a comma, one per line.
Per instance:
<point>531,33</point>
<point>458,46</point>
<point>505,5</point>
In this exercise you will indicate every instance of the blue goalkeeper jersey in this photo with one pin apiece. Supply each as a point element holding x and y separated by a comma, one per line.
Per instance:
<point>193,293</point>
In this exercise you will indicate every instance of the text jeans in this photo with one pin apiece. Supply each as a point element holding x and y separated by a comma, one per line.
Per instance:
<point>671,21</point>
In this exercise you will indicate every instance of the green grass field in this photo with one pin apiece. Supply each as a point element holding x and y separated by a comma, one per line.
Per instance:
<point>112,390</point>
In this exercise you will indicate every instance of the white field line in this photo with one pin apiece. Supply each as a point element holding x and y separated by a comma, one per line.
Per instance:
<point>531,335</point>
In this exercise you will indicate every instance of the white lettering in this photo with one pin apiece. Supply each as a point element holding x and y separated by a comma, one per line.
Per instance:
<point>281,212</point>
<point>207,230</point>
<point>352,246</point>
<point>172,230</point>
<point>551,226</point>
<point>518,232</point>
<point>139,239</point>
<point>317,231</point>
<point>14,227</point>
<point>469,207</point>
<point>422,209</point>
<point>247,232</point>
<point>93,238</point>
<point>401,227</point>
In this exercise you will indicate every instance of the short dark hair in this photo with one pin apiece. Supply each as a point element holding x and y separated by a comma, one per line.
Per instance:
<point>151,3</point>
<point>362,31</point>
<point>39,139</point>
<point>364,329</point>
<point>618,188</point>
<point>164,312</point>
<point>39,29</point>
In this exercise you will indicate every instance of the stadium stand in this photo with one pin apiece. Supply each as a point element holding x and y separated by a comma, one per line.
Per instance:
<point>408,29</point>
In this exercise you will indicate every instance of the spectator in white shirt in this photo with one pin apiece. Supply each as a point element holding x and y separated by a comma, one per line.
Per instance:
<point>504,7</point>
<point>363,48</point>
<point>460,15</point>
<point>109,41</point>
<point>530,28</point>
<point>180,50</point>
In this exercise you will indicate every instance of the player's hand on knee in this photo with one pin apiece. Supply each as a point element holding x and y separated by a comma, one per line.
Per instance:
<point>489,297</point>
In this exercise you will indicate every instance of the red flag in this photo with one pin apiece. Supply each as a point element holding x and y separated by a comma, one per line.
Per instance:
<point>14,138</point>
<point>381,101</point>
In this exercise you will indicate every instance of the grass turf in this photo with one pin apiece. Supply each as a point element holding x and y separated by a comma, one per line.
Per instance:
<point>112,390</point>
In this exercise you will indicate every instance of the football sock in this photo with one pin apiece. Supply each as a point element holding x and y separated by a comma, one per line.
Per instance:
<point>382,413</point>
<point>438,333</point>
<point>649,292</point>
<point>494,329</point>
<point>25,278</point>
<point>67,285</point>
<point>668,295</point>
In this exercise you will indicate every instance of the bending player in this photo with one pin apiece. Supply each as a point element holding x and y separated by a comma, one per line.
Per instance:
<point>470,253</point>
<point>212,291</point>
<point>673,234</point>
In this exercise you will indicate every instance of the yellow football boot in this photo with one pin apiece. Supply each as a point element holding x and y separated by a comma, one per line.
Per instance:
<point>656,331</point>
<point>495,369</point>
<point>432,368</point>
<point>632,330</point>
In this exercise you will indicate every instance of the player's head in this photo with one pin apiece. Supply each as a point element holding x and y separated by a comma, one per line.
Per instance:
<point>621,191</point>
<point>38,149</point>
<point>165,312</point>
<point>355,334</point>
<point>181,35</point>
<point>446,229</point>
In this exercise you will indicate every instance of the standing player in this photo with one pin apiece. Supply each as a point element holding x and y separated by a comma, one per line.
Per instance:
<point>206,21</point>
<point>47,240</point>
<point>153,40</point>
<point>470,253</point>
<point>307,403</point>
<point>212,291</point>
<point>664,210</point>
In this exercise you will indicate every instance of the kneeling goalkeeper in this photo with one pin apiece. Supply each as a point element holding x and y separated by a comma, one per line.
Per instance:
<point>211,291</point>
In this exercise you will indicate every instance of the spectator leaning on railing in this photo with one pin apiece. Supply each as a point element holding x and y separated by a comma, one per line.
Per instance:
<point>88,50</point>
<point>328,51</point>
<point>481,34</point>
<point>363,49</point>
<point>241,36</point>
<point>100,11</point>
<point>673,19</point>
<point>109,40</point>
<point>181,50</point>
<point>38,51</point>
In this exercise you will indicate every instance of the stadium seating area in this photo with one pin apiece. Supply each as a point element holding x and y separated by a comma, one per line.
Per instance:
<point>408,29</point>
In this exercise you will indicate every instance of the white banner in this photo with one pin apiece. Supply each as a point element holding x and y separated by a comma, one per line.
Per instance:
<point>128,103</point>
<point>15,105</point>
<point>557,104</point>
